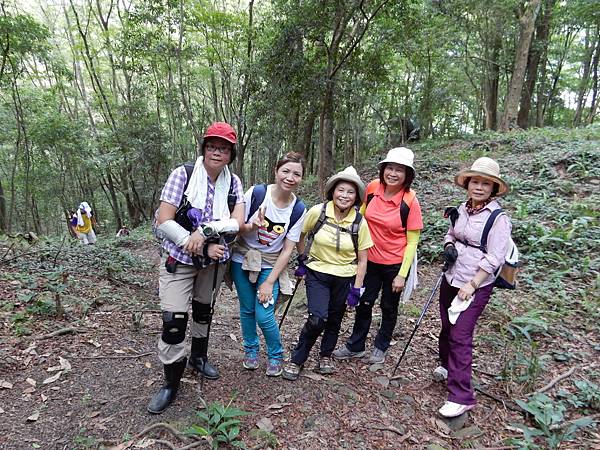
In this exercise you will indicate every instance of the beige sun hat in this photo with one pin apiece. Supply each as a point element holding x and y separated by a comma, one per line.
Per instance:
<point>400,155</point>
<point>487,168</point>
<point>348,174</point>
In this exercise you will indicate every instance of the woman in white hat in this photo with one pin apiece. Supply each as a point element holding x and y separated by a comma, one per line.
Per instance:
<point>395,221</point>
<point>468,283</point>
<point>334,261</point>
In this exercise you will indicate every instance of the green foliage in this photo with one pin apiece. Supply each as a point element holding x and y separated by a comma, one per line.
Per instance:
<point>549,423</point>
<point>220,425</point>
<point>585,397</point>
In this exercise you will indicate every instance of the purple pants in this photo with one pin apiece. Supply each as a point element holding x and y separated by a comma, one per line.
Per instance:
<point>456,341</point>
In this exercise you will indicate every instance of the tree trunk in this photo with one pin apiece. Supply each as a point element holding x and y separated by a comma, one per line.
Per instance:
<point>511,104</point>
<point>326,136</point>
<point>594,102</point>
<point>548,108</point>
<point>3,227</point>
<point>305,137</point>
<point>538,47</point>
<point>583,88</point>
<point>491,79</point>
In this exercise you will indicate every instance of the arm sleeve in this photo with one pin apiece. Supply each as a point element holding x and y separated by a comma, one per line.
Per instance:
<point>412,239</point>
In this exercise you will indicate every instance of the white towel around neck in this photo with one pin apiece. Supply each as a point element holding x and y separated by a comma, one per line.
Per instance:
<point>198,187</point>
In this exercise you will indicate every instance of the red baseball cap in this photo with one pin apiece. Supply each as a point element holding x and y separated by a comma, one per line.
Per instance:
<point>221,130</point>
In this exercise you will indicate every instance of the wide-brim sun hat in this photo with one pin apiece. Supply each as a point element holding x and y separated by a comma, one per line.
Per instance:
<point>350,175</point>
<point>400,155</point>
<point>483,167</point>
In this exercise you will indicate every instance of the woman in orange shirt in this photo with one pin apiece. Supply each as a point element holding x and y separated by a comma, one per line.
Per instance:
<point>394,217</point>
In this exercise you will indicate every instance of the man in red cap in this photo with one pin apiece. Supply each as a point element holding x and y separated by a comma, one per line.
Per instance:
<point>199,206</point>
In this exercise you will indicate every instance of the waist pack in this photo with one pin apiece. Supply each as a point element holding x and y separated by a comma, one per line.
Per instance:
<point>506,275</point>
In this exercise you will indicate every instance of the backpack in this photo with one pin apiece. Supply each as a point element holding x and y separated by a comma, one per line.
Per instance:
<point>258,196</point>
<point>407,199</point>
<point>507,273</point>
<point>322,220</point>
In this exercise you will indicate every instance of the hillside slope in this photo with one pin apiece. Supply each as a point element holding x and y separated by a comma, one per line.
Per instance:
<point>537,348</point>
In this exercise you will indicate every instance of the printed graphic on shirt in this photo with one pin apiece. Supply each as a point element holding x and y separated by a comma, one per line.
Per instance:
<point>270,231</point>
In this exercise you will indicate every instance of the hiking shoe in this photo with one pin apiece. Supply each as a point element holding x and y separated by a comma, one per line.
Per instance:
<point>326,366</point>
<point>451,409</point>
<point>440,374</point>
<point>377,357</point>
<point>274,368</point>
<point>291,371</point>
<point>344,353</point>
<point>250,362</point>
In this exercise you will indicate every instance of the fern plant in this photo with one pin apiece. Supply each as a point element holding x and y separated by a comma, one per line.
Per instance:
<point>220,425</point>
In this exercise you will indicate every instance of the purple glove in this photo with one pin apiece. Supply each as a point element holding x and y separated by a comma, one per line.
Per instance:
<point>195,217</point>
<point>354,296</point>
<point>301,270</point>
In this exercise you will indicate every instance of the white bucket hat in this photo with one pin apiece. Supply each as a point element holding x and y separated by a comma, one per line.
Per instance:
<point>400,155</point>
<point>483,167</point>
<point>350,175</point>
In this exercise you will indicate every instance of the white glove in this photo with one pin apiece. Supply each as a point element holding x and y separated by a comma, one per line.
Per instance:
<point>174,232</point>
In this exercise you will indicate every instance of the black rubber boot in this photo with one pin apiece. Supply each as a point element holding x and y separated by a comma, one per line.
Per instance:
<point>199,359</point>
<point>165,396</point>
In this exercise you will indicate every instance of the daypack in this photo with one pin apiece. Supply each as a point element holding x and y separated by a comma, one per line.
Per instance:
<point>322,220</point>
<point>506,275</point>
<point>405,204</point>
<point>258,196</point>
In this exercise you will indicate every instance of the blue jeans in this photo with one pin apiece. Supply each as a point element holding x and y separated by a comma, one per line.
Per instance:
<point>252,313</point>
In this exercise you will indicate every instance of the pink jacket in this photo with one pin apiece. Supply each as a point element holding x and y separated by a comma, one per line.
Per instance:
<point>470,259</point>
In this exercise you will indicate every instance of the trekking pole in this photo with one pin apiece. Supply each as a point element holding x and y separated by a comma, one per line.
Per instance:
<point>423,312</point>
<point>213,300</point>
<point>287,307</point>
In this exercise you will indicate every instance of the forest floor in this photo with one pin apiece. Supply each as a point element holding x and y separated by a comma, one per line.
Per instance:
<point>83,380</point>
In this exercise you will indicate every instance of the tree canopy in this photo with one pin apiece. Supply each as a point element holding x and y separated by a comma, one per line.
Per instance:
<point>100,99</point>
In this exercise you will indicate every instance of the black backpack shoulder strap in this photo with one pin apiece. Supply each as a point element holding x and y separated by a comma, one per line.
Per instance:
<point>370,197</point>
<point>189,168</point>
<point>258,196</point>
<point>354,229</point>
<point>487,227</point>
<point>231,196</point>
<point>404,212</point>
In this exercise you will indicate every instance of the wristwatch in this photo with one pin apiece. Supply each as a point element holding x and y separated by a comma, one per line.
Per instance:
<point>208,231</point>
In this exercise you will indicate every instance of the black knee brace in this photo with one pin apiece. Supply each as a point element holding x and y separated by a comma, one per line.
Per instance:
<point>201,312</point>
<point>174,324</point>
<point>314,325</point>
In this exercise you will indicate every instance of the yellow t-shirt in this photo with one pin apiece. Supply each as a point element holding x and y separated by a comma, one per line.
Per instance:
<point>324,256</point>
<point>87,225</point>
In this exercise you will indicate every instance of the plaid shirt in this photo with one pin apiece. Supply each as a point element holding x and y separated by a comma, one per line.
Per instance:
<point>172,193</point>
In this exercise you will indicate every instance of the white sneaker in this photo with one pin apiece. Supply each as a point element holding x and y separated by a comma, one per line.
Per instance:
<point>451,409</point>
<point>440,374</point>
